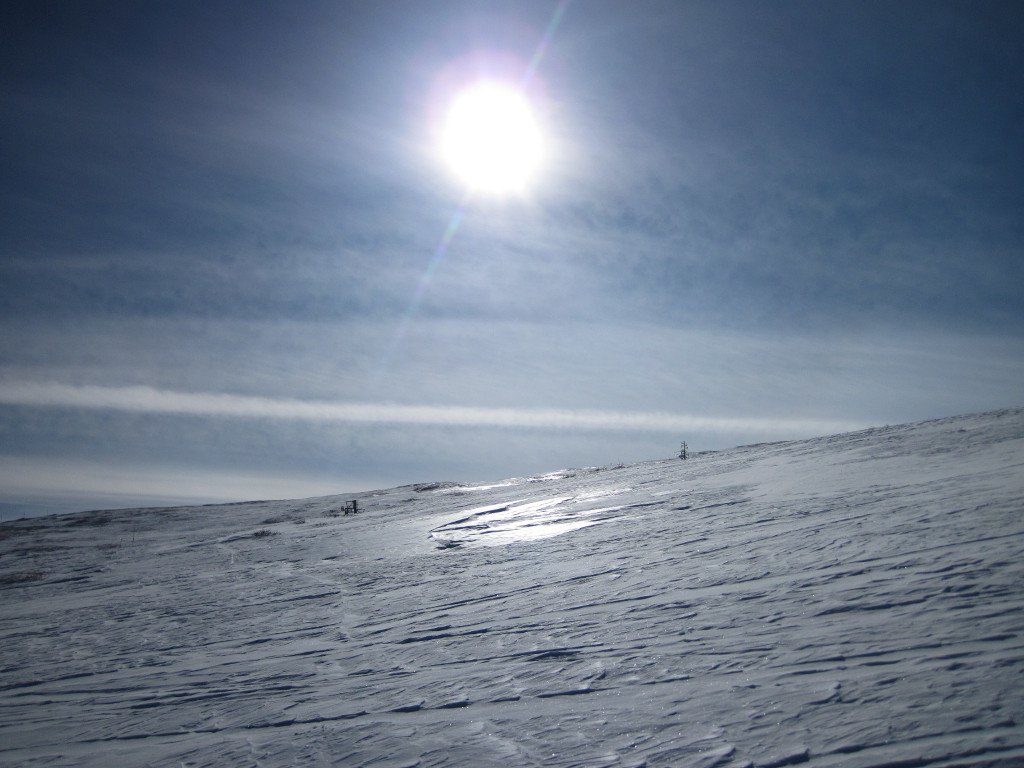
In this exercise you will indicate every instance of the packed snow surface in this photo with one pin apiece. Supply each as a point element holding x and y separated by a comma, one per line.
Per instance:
<point>852,601</point>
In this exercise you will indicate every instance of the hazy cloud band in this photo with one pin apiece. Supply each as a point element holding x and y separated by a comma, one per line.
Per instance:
<point>141,399</point>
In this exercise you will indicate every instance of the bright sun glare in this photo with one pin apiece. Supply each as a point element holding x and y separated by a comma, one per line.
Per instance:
<point>491,139</point>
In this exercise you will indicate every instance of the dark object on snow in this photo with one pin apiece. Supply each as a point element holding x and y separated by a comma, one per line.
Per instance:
<point>351,507</point>
<point>684,451</point>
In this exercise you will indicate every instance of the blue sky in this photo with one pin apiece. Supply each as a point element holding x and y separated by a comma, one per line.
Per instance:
<point>224,270</point>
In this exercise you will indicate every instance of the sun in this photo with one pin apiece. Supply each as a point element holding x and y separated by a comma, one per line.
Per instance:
<point>490,138</point>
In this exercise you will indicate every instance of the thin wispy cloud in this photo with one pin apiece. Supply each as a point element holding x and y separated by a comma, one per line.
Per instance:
<point>141,399</point>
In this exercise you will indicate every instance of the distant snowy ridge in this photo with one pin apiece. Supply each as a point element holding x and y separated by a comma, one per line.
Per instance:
<point>853,601</point>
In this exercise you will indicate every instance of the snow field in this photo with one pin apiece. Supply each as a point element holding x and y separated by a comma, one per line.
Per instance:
<point>852,601</point>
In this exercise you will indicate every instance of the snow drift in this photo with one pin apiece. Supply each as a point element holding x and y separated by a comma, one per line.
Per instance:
<point>853,601</point>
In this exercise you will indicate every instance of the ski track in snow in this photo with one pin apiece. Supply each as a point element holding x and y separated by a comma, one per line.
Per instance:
<point>851,601</point>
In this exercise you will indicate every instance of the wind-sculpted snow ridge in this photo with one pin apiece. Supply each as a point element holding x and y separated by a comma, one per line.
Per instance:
<point>854,601</point>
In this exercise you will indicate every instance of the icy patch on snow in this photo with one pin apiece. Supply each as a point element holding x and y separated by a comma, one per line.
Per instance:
<point>525,520</point>
<point>490,487</point>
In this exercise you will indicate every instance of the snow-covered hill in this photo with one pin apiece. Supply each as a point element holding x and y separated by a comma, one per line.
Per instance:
<point>849,601</point>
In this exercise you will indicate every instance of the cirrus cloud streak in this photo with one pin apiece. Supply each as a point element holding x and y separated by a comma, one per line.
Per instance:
<point>142,399</point>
